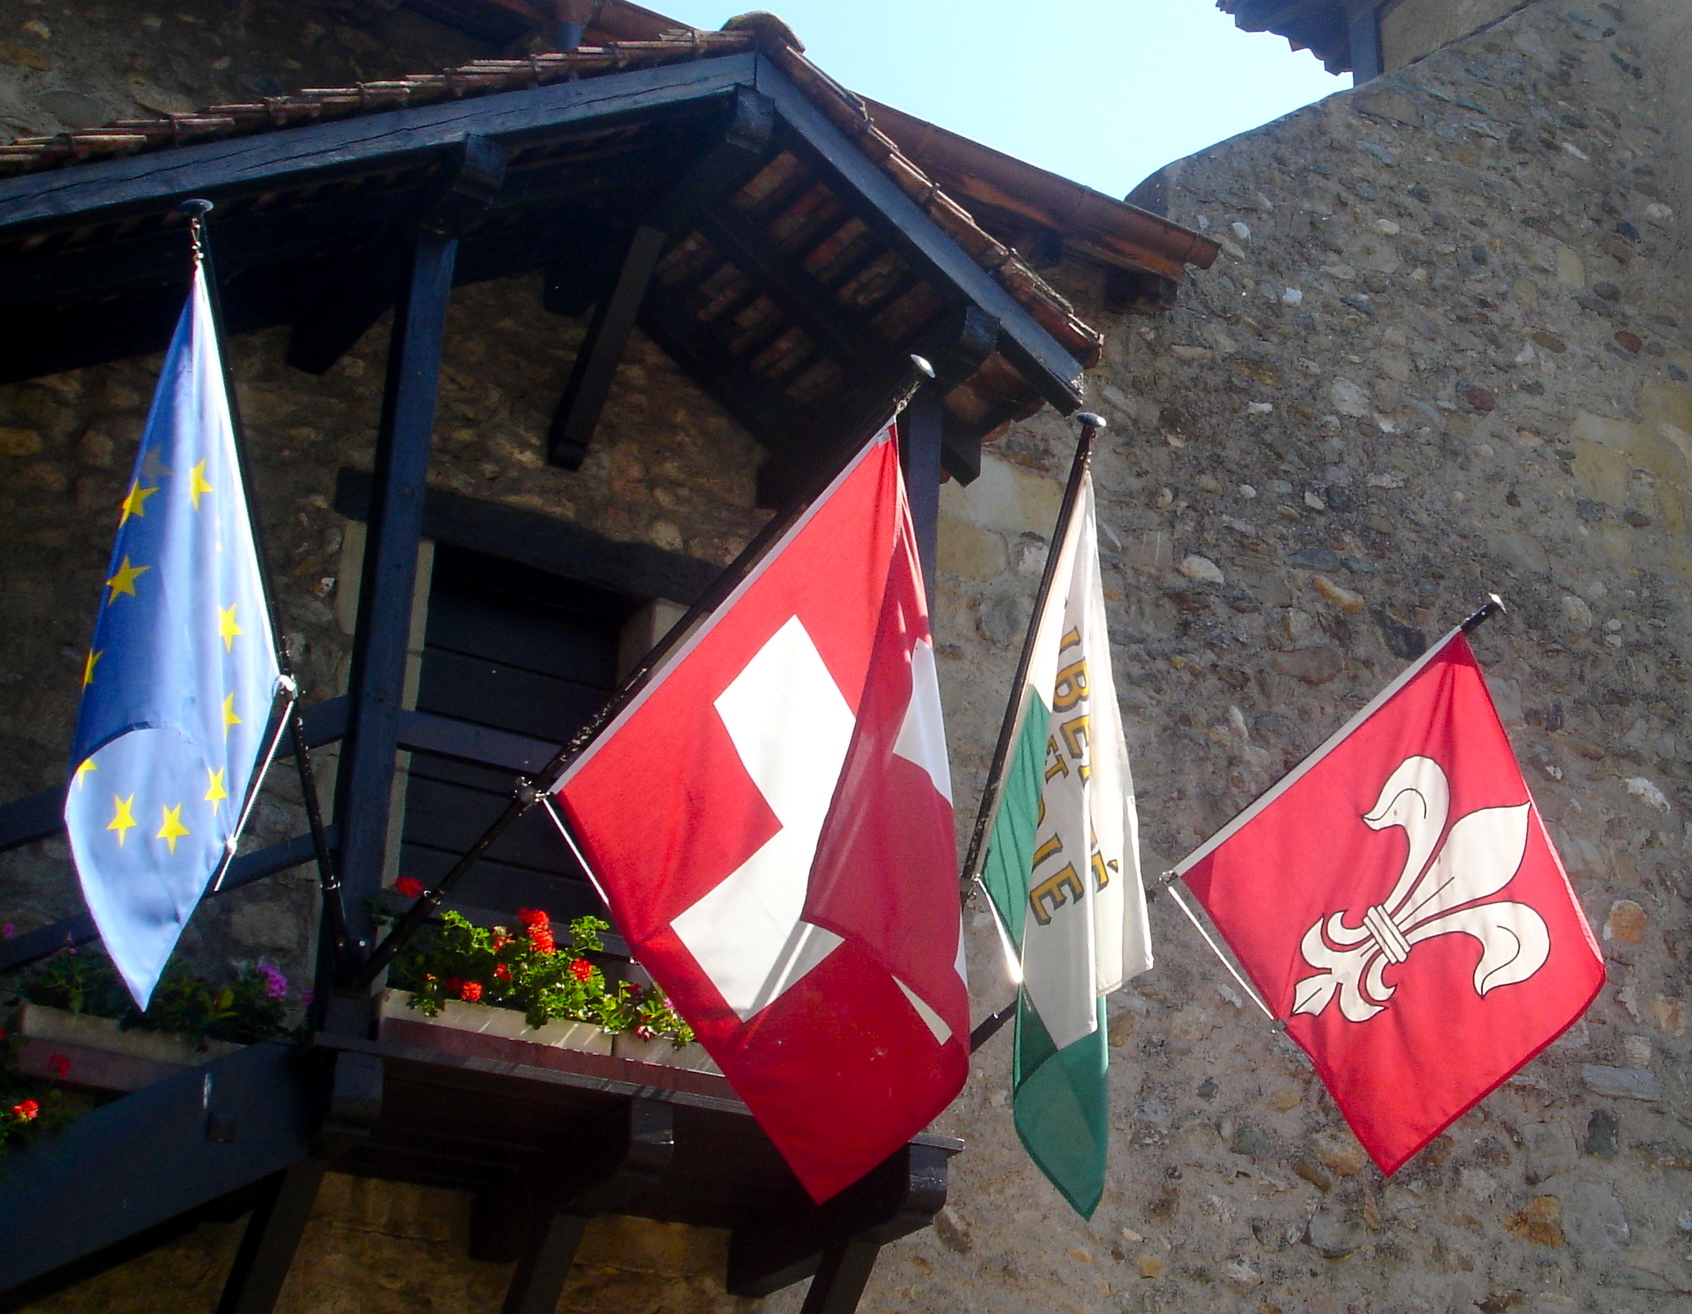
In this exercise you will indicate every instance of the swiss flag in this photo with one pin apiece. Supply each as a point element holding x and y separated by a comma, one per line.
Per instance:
<point>771,822</point>
<point>1398,902</point>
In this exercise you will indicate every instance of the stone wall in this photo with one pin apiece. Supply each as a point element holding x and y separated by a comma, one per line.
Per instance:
<point>1413,28</point>
<point>1447,352</point>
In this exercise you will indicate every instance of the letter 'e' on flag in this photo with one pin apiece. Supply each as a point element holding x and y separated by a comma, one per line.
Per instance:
<point>1398,902</point>
<point>770,820</point>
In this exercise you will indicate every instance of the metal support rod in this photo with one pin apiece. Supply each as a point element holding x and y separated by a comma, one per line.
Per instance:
<point>1012,725</point>
<point>530,791</point>
<point>196,209</point>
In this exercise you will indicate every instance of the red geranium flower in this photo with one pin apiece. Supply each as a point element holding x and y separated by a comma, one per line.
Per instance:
<point>453,984</point>
<point>58,1065</point>
<point>27,1110</point>
<point>470,991</point>
<point>581,969</point>
<point>409,886</point>
<point>529,916</point>
<point>502,974</point>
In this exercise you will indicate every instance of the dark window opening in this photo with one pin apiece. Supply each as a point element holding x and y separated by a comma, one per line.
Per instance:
<point>520,650</point>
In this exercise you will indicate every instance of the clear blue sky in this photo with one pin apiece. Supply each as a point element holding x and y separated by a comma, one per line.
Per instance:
<point>1101,91</point>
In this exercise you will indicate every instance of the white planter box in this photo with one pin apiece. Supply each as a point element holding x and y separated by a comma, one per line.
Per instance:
<point>662,1053</point>
<point>507,1023</point>
<point>101,1054</point>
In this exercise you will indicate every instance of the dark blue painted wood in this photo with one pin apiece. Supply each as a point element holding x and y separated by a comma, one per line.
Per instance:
<point>297,156</point>
<point>390,574</point>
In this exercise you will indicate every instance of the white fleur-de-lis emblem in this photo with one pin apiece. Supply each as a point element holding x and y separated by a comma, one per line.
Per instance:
<point>1438,893</point>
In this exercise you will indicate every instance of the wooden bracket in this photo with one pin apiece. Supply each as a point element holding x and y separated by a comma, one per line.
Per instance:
<point>369,280</point>
<point>737,153</point>
<point>541,1223</point>
<point>837,1239</point>
<point>271,1238</point>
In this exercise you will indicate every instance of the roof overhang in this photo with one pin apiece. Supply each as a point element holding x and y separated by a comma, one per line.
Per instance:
<point>93,265</point>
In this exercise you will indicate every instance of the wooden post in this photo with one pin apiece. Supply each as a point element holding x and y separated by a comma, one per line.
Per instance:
<point>919,455</point>
<point>1364,18</point>
<point>270,1240</point>
<point>841,1278</point>
<point>390,574</point>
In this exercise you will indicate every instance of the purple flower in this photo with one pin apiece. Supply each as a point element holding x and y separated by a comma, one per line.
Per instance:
<point>8,931</point>
<point>275,984</point>
<point>307,997</point>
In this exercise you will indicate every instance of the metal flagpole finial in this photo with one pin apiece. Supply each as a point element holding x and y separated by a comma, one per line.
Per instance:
<point>1493,607</point>
<point>921,372</point>
<point>197,208</point>
<point>1092,420</point>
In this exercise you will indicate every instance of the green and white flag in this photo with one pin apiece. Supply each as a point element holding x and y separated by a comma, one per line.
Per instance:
<point>1063,871</point>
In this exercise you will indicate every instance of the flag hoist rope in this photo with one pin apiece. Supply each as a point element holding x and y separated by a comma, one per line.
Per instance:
<point>1016,711</point>
<point>1166,882</point>
<point>288,717</point>
<point>532,790</point>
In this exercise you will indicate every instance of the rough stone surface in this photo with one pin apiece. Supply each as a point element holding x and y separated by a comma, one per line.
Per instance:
<point>1443,410</point>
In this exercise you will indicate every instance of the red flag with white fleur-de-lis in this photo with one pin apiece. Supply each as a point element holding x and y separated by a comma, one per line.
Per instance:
<point>1398,904</point>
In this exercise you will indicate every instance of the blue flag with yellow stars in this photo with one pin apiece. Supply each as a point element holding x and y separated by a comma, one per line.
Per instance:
<point>180,681</point>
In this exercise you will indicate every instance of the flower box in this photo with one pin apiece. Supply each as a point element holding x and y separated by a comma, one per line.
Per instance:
<point>101,1054</point>
<point>661,1052</point>
<point>486,1031</point>
<point>487,1020</point>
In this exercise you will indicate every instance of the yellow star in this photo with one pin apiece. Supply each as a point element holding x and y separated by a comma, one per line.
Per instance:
<point>227,629</point>
<point>87,766</point>
<point>135,503</point>
<point>217,793</point>
<point>123,819</point>
<point>124,580</point>
<point>197,484</point>
<point>173,829</point>
<point>89,665</point>
<point>229,717</point>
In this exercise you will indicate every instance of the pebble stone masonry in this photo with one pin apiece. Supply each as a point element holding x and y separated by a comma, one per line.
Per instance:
<point>1448,351</point>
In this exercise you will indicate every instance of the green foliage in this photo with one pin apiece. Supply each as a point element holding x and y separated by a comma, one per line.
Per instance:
<point>529,971</point>
<point>253,1007</point>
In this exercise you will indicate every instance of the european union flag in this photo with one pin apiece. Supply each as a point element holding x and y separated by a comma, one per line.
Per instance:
<point>180,683</point>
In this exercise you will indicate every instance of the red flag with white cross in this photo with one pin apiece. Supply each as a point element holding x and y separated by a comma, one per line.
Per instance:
<point>1397,901</point>
<point>770,820</point>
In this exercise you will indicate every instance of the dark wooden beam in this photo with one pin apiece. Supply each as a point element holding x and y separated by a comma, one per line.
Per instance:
<point>390,574</point>
<point>836,327</point>
<point>736,155</point>
<point>602,350</point>
<point>271,1237</point>
<point>153,1156</point>
<point>548,543</point>
<point>32,946</point>
<point>841,1277</point>
<point>1363,19</point>
<point>901,221</point>
<point>154,181</point>
<point>919,454</point>
<point>897,1198</point>
<point>541,1222</point>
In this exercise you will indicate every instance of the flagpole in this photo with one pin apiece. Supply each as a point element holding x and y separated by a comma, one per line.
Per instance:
<point>329,882</point>
<point>541,784</point>
<point>987,810</point>
<point>1493,606</point>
